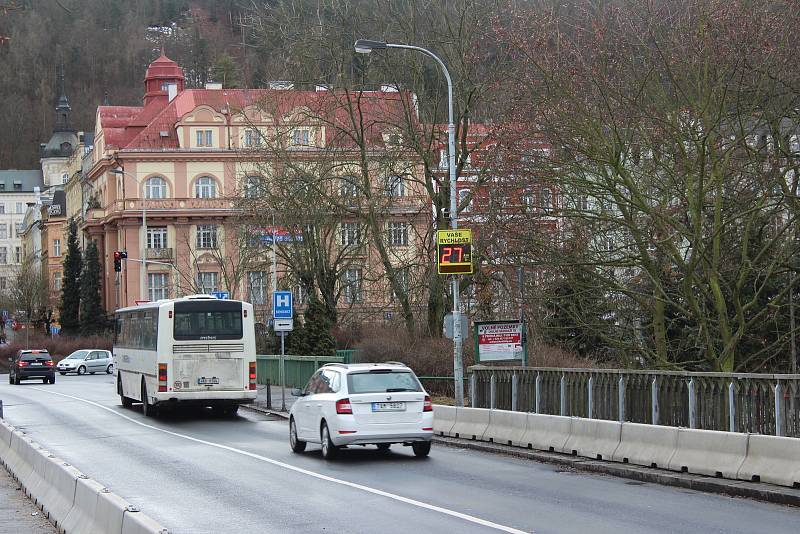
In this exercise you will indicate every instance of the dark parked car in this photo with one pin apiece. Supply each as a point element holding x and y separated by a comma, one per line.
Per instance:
<point>29,364</point>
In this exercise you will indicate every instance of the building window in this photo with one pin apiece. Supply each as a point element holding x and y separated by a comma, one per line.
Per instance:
<point>395,187</point>
<point>252,138</point>
<point>207,282</point>
<point>300,293</point>
<point>206,236</point>
<point>155,187</point>
<point>17,254</point>
<point>56,247</point>
<point>257,287</point>
<point>353,281</point>
<point>2,208</point>
<point>20,207</point>
<point>546,199</point>
<point>583,203</point>
<point>158,286</point>
<point>17,229</point>
<point>253,187</point>
<point>348,187</point>
<point>204,138</point>
<point>64,178</point>
<point>463,194</point>
<point>351,234</point>
<point>3,255</point>
<point>401,276</point>
<point>398,234</point>
<point>3,231</point>
<point>205,187</point>
<point>301,137</point>
<point>57,281</point>
<point>3,282</point>
<point>527,200</point>
<point>157,237</point>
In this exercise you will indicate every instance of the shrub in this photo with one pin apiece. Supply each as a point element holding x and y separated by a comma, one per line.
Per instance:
<point>58,346</point>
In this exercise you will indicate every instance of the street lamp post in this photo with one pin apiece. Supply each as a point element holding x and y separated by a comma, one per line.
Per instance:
<point>143,248</point>
<point>365,46</point>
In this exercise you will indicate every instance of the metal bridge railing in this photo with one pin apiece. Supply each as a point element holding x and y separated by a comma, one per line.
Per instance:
<point>735,402</point>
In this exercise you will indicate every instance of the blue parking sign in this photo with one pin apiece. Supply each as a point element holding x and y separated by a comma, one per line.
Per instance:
<point>282,305</point>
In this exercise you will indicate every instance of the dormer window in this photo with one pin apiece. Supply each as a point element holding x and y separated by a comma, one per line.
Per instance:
<point>252,138</point>
<point>301,137</point>
<point>204,138</point>
<point>17,185</point>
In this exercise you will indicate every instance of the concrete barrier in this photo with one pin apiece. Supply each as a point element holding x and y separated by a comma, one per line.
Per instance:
<point>772,459</point>
<point>5,441</point>
<point>506,427</point>
<point>471,423</point>
<point>709,452</point>
<point>81,517</point>
<point>547,432</point>
<point>593,438</point>
<point>138,523</point>
<point>444,417</point>
<point>20,464</point>
<point>109,512</point>
<point>37,481</point>
<point>59,496</point>
<point>647,445</point>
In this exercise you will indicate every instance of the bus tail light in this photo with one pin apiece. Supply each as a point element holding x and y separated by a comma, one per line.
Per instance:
<point>343,406</point>
<point>252,375</point>
<point>162,377</point>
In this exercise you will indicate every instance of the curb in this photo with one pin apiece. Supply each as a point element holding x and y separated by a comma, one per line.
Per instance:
<point>732,488</point>
<point>265,411</point>
<point>55,488</point>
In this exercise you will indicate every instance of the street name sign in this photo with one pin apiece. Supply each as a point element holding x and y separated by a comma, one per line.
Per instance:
<point>454,251</point>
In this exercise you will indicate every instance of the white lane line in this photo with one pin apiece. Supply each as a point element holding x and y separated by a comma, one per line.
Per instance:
<point>368,489</point>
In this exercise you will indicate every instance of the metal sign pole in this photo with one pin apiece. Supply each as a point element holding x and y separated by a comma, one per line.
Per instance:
<point>283,373</point>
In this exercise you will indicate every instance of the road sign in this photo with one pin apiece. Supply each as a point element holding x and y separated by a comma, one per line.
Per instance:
<point>498,340</point>
<point>282,305</point>
<point>222,295</point>
<point>447,325</point>
<point>283,325</point>
<point>454,251</point>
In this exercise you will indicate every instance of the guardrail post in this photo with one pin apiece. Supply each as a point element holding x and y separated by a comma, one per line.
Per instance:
<point>514,392</point>
<point>731,408</point>
<point>590,387</point>
<point>563,403</point>
<point>621,399</point>
<point>692,405</point>
<point>269,396</point>
<point>654,401</point>
<point>1,408</point>
<point>538,393</point>
<point>492,391</point>
<point>778,409</point>
<point>473,393</point>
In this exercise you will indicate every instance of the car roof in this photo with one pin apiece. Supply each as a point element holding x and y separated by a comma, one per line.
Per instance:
<point>355,367</point>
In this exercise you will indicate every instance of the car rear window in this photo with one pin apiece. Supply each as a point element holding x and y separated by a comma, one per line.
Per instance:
<point>32,357</point>
<point>382,382</point>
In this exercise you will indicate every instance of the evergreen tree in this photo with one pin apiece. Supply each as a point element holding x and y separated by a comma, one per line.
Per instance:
<point>318,329</point>
<point>69,308</point>
<point>93,316</point>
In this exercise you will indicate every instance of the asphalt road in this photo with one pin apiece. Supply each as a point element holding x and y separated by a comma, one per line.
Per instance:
<point>196,473</point>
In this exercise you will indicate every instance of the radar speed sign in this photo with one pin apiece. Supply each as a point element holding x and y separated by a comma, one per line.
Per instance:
<point>454,251</point>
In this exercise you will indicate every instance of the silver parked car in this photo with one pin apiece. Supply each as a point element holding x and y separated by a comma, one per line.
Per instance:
<point>87,361</point>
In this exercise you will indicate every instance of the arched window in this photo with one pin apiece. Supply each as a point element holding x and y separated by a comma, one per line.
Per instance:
<point>205,187</point>
<point>155,187</point>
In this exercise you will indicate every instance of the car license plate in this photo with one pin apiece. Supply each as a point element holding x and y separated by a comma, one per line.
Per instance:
<point>388,406</point>
<point>208,381</point>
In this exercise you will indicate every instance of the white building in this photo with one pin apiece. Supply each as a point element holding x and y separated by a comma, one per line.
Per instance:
<point>18,189</point>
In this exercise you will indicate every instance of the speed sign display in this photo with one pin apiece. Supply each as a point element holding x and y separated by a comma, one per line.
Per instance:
<point>454,251</point>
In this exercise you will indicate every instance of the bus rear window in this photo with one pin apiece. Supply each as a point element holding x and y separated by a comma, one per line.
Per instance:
<point>208,321</point>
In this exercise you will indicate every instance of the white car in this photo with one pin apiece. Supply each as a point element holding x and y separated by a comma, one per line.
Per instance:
<point>87,361</point>
<point>361,404</point>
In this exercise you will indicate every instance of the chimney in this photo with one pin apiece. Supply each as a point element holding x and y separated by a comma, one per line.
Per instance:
<point>172,91</point>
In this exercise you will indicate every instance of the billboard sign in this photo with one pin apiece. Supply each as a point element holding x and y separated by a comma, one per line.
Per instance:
<point>498,340</point>
<point>280,234</point>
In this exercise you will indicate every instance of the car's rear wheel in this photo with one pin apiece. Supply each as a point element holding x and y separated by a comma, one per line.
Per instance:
<point>329,450</point>
<point>110,369</point>
<point>52,379</point>
<point>296,444</point>
<point>384,447</point>
<point>82,370</point>
<point>421,448</point>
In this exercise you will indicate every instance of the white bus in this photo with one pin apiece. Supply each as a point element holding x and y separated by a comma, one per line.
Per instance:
<point>196,350</point>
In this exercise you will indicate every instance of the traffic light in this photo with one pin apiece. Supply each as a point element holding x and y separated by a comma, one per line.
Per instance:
<point>119,255</point>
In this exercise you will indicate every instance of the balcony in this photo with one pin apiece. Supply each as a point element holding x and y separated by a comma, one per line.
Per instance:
<point>159,254</point>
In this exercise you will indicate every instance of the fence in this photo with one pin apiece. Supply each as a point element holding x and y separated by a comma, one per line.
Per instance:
<point>756,403</point>
<point>298,368</point>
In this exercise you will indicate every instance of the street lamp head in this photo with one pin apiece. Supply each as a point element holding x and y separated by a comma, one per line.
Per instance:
<point>365,46</point>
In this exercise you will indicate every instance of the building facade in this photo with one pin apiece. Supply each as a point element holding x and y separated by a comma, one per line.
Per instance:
<point>18,190</point>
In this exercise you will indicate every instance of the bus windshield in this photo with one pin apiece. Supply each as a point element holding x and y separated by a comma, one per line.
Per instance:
<point>208,320</point>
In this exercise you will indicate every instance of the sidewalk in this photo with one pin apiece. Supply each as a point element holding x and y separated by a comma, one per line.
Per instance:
<point>18,514</point>
<point>263,400</point>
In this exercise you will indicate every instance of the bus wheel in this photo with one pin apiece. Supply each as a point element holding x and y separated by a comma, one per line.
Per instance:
<point>147,409</point>
<point>127,402</point>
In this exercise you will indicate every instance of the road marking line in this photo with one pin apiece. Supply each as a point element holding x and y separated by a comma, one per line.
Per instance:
<point>354,485</point>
